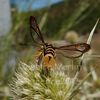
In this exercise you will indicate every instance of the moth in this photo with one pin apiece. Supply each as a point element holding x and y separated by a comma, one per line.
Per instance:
<point>47,52</point>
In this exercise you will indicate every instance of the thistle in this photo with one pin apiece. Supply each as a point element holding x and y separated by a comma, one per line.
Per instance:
<point>30,83</point>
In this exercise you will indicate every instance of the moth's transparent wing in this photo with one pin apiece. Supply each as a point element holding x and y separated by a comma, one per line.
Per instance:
<point>73,51</point>
<point>35,31</point>
<point>69,54</point>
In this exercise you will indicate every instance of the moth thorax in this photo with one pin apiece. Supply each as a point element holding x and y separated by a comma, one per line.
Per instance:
<point>50,50</point>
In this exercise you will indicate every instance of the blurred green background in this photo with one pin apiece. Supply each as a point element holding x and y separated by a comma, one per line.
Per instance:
<point>56,20</point>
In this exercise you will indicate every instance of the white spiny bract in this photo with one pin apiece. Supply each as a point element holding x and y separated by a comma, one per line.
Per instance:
<point>29,83</point>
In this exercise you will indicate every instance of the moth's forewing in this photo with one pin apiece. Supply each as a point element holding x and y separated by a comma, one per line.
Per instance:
<point>37,36</point>
<point>73,51</point>
<point>69,53</point>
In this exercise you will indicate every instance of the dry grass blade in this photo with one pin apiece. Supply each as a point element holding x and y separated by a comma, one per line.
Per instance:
<point>91,33</point>
<point>43,20</point>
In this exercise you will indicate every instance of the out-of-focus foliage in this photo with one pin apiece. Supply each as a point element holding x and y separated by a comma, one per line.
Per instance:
<point>78,15</point>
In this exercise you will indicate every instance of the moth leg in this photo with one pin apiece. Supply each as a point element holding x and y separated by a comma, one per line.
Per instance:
<point>39,58</point>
